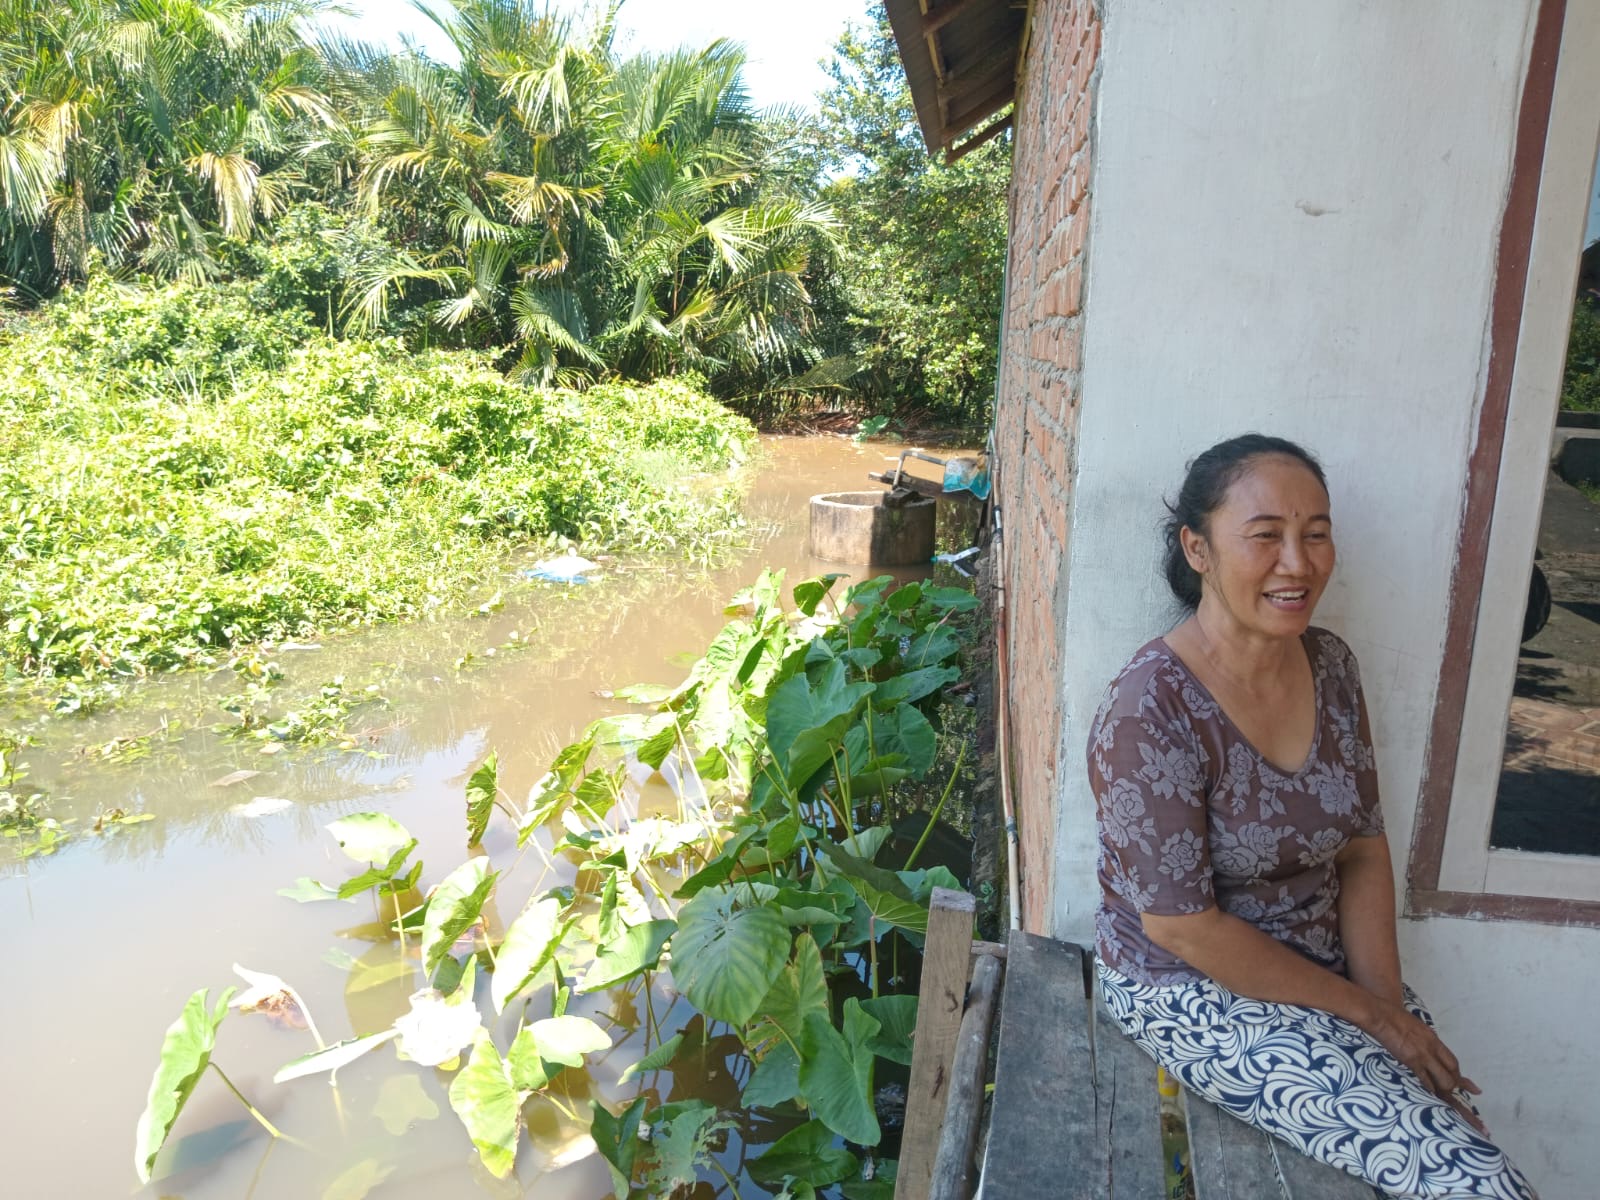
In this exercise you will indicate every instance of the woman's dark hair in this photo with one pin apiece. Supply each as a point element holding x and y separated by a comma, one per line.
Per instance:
<point>1204,488</point>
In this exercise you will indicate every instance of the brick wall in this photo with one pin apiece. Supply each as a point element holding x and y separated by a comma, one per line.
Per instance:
<point>1037,409</point>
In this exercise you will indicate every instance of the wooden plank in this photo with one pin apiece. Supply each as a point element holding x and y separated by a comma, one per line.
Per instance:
<point>1305,1178</point>
<point>946,960</point>
<point>1230,1160</point>
<point>1125,1080</point>
<point>952,1169</point>
<point>1043,1137</point>
<point>936,20</point>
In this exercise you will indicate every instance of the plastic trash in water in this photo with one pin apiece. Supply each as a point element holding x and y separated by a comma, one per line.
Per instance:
<point>958,559</point>
<point>569,568</point>
<point>966,474</point>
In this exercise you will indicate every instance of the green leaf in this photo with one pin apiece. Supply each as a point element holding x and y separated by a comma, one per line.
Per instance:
<point>783,835</point>
<point>482,788</point>
<point>800,991</point>
<point>724,958</point>
<point>306,889</point>
<point>369,837</point>
<point>374,876</point>
<point>530,943</point>
<point>807,1154</point>
<point>528,1071</point>
<point>679,1138</point>
<point>912,686</point>
<point>921,883</point>
<point>357,1182</point>
<point>804,722</point>
<point>334,1057</point>
<point>881,891</point>
<point>775,1079</point>
<point>617,1139</point>
<point>637,950</point>
<point>932,648</point>
<point>719,868</point>
<point>655,1060</point>
<point>644,693</point>
<point>808,593</point>
<point>489,1105</point>
<point>185,1054</point>
<point>836,1073</point>
<point>453,907</point>
<point>897,1020</point>
<point>950,598</point>
<point>565,1040</point>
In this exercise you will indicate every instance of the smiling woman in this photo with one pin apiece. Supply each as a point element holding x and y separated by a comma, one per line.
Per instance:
<point>1247,896</point>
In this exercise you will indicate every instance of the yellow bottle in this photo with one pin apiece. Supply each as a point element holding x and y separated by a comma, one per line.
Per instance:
<point>1178,1182</point>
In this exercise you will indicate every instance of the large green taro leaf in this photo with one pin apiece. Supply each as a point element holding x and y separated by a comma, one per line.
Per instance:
<point>807,1154</point>
<point>489,1105</point>
<point>530,944</point>
<point>725,958</point>
<point>453,907</point>
<point>836,1073</point>
<point>804,722</point>
<point>636,949</point>
<point>482,788</point>
<point>799,991</point>
<point>883,892</point>
<point>185,1054</point>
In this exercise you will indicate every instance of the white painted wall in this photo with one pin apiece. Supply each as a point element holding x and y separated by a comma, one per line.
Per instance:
<point>1296,211</point>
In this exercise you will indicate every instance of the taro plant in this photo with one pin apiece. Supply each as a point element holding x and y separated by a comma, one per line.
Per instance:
<point>730,832</point>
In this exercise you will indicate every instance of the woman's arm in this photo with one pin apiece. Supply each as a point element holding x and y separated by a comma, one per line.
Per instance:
<point>1250,963</point>
<point>1366,916</point>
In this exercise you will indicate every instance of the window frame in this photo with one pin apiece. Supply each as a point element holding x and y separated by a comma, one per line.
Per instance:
<point>1453,870</point>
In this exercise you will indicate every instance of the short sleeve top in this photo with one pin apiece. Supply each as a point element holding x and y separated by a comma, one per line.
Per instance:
<point>1192,816</point>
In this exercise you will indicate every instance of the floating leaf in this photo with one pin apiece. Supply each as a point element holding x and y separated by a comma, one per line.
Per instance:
<point>185,1054</point>
<point>454,906</point>
<point>369,837</point>
<point>655,1060</point>
<point>636,951</point>
<point>482,788</point>
<point>807,1154</point>
<point>724,958</point>
<point>530,944</point>
<point>306,889</point>
<point>489,1105</point>
<point>334,1057</point>
<point>357,1182</point>
<point>402,1103</point>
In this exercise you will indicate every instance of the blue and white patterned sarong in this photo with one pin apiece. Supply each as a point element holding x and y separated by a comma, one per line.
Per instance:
<point>1318,1082</point>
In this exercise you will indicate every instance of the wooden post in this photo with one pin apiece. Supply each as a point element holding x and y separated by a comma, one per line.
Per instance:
<point>952,1169</point>
<point>946,960</point>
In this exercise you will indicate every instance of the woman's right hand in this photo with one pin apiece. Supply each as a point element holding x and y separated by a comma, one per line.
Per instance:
<point>1415,1044</point>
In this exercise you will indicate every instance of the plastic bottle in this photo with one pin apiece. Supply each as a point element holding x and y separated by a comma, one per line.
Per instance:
<point>1178,1183</point>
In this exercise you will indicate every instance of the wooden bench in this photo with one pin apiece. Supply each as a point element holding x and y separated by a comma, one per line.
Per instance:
<point>1074,1115</point>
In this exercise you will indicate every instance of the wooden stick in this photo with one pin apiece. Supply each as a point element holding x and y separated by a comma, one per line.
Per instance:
<point>952,1168</point>
<point>946,960</point>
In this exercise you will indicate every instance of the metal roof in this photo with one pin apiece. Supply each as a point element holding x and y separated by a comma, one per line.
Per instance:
<point>961,62</point>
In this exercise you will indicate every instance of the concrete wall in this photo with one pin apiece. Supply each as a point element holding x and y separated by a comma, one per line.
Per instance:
<point>1037,416</point>
<point>1296,209</point>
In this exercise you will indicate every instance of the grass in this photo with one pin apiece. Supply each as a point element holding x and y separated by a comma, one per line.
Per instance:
<point>181,474</point>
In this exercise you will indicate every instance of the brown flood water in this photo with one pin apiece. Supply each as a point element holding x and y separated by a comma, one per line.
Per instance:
<point>103,941</point>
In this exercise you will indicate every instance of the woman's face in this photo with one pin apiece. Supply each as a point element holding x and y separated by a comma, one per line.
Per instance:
<point>1267,553</point>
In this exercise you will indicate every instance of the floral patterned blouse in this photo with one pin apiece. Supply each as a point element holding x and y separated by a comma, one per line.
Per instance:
<point>1192,816</point>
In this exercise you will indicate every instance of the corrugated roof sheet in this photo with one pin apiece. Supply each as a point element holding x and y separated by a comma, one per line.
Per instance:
<point>961,61</point>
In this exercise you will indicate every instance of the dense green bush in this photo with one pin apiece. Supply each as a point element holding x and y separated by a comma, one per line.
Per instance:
<point>180,472</point>
<point>1580,387</point>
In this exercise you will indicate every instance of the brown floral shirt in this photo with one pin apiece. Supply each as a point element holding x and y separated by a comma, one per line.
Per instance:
<point>1192,816</point>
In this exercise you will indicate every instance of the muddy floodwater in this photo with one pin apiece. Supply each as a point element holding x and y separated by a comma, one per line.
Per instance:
<point>105,939</point>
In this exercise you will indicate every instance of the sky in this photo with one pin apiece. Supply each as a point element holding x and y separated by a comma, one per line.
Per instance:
<point>783,42</point>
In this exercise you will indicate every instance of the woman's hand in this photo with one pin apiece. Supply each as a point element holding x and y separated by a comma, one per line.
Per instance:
<point>1416,1045</point>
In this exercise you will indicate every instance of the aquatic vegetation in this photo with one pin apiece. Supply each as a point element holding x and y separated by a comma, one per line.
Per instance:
<point>729,832</point>
<point>184,478</point>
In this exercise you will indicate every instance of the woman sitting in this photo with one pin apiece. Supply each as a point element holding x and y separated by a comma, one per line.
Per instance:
<point>1246,931</point>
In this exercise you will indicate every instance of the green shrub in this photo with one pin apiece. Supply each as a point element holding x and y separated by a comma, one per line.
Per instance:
<point>180,473</point>
<point>1580,386</point>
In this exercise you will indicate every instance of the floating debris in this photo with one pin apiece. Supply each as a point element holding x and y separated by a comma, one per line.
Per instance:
<point>261,806</point>
<point>569,568</point>
<point>233,777</point>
